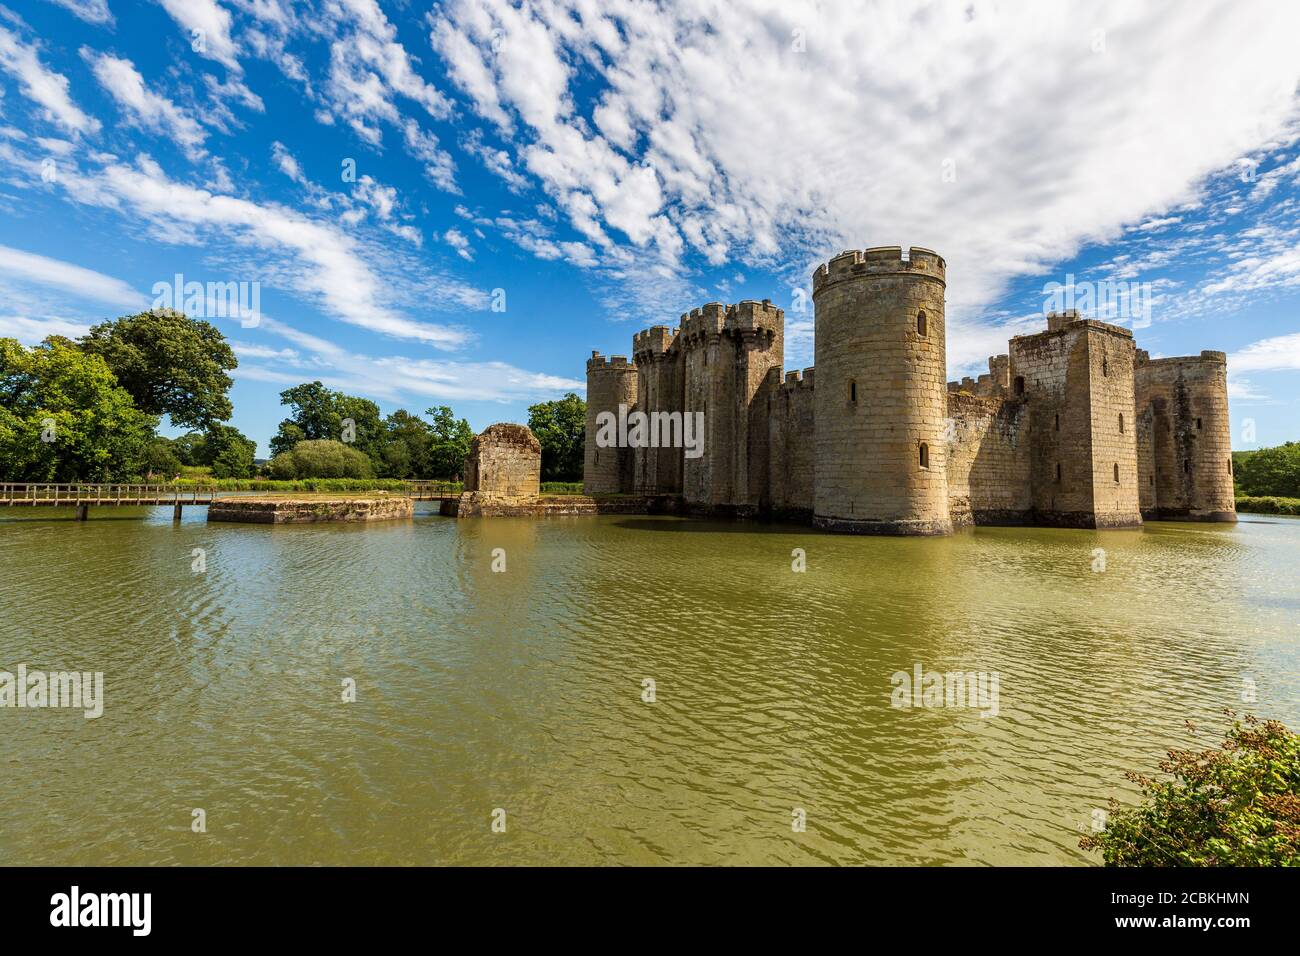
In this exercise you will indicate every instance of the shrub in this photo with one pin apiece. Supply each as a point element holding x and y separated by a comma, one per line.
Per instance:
<point>1238,805</point>
<point>320,458</point>
<point>1269,505</point>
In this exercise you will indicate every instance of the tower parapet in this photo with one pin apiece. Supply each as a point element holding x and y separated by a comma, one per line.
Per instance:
<point>881,401</point>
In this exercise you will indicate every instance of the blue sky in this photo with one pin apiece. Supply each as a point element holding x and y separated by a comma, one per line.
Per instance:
<point>386,173</point>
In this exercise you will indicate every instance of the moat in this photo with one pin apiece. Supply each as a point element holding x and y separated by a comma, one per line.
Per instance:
<point>522,690</point>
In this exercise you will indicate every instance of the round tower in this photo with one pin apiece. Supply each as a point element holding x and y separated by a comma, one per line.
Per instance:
<point>610,383</point>
<point>881,397</point>
<point>1186,401</point>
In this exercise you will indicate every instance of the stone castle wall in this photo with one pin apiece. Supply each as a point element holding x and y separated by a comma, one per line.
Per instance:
<point>1072,427</point>
<point>505,461</point>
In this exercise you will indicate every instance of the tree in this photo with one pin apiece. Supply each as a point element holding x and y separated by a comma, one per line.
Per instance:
<point>161,458</point>
<point>560,427</point>
<point>320,459</point>
<point>407,444</point>
<point>169,363</point>
<point>1269,471</point>
<point>449,445</point>
<point>63,417</point>
<point>189,448</point>
<point>1236,805</point>
<point>322,414</point>
<point>228,452</point>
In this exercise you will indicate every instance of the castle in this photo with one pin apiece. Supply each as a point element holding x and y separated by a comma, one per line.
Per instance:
<point>1075,426</point>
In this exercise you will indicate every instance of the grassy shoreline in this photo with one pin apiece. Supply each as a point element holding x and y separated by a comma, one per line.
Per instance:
<point>1268,505</point>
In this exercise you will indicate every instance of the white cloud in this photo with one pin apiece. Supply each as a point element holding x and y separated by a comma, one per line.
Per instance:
<point>68,278</point>
<point>145,108</point>
<point>369,69</point>
<point>712,132</point>
<point>92,11</point>
<point>439,167</point>
<point>42,85</point>
<point>341,273</point>
<point>1272,354</point>
<point>207,27</point>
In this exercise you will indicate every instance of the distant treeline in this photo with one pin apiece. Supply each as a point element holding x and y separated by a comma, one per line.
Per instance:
<point>89,410</point>
<point>1268,472</point>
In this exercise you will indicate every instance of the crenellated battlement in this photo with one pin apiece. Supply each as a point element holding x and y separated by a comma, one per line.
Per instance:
<point>795,380</point>
<point>880,260</point>
<point>751,316</point>
<point>618,363</point>
<point>652,342</point>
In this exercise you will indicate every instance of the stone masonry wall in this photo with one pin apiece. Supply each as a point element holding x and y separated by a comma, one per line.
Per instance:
<point>505,461</point>
<point>792,469</point>
<point>1185,401</point>
<point>610,383</point>
<point>881,397</point>
<point>988,460</point>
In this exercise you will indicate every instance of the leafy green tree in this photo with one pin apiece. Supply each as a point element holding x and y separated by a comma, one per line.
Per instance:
<point>323,414</point>
<point>161,459</point>
<point>228,452</point>
<point>449,447</point>
<point>63,417</point>
<point>169,363</point>
<point>320,459</point>
<point>407,446</point>
<point>560,427</point>
<point>189,448</point>
<point>1269,471</point>
<point>1237,805</point>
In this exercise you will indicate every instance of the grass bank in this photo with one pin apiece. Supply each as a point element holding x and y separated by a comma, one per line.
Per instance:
<point>1268,505</point>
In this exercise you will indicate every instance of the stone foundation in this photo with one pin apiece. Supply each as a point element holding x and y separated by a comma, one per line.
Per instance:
<point>476,505</point>
<point>309,510</point>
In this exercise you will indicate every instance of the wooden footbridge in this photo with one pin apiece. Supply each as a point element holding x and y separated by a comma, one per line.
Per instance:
<point>84,496</point>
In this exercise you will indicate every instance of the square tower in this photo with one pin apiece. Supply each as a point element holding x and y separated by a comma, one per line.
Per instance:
<point>1077,379</point>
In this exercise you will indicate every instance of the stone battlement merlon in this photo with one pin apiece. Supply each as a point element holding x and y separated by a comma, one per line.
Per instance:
<point>620,363</point>
<point>654,341</point>
<point>751,316</point>
<point>880,260</point>
<point>1075,324</point>
<point>1207,357</point>
<point>795,379</point>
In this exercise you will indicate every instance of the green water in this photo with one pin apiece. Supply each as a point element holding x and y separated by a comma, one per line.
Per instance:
<point>522,690</point>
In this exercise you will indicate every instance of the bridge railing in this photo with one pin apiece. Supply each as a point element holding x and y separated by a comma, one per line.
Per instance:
<point>72,493</point>
<point>432,489</point>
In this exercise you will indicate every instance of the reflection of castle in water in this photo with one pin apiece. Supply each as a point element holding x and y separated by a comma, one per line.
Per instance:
<point>1075,426</point>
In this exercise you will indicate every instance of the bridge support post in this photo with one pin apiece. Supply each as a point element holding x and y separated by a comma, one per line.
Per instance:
<point>176,512</point>
<point>83,512</point>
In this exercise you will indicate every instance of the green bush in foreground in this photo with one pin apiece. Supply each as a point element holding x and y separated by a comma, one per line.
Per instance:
<point>1269,505</point>
<point>1238,805</point>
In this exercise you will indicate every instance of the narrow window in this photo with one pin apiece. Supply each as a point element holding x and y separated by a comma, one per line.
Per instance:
<point>1121,423</point>
<point>925,455</point>
<point>1117,473</point>
<point>1058,472</point>
<point>1105,366</point>
<point>1198,424</point>
<point>1020,385</point>
<point>1187,466</point>
<point>1229,466</point>
<point>1151,480</point>
<point>922,326</point>
<point>1058,423</point>
<point>853,390</point>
